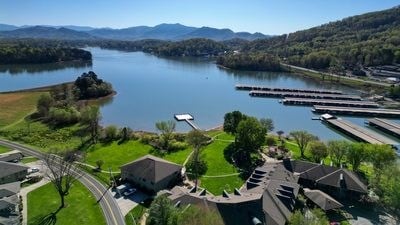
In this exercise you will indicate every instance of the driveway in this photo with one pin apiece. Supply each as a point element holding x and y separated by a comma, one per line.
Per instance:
<point>126,204</point>
<point>364,215</point>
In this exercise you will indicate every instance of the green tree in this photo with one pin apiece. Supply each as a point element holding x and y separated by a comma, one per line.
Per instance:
<point>268,124</point>
<point>232,120</point>
<point>250,134</point>
<point>337,150</point>
<point>110,133</point>
<point>162,212</point>
<point>318,151</point>
<point>389,187</point>
<point>380,156</point>
<point>197,166</point>
<point>45,102</point>
<point>302,139</point>
<point>167,129</point>
<point>316,217</point>
<point>356,154</point>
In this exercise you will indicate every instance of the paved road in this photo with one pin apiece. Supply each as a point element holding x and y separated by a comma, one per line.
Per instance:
<point>334,75</point>
<point>109,206</point>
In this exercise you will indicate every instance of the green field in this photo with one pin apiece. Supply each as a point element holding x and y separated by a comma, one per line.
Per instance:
<point>15,106</point>
<point>3,149</point>
<point>217,165</point>
<point>29,159</point>
<point>81,207</point>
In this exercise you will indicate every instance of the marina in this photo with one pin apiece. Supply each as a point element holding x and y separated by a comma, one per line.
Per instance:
<point>313,101</point>
<point>357,111</point>
<point>282,94</point>
<point>355,131</point>
<point>386,126</point>
<point>265,88</point>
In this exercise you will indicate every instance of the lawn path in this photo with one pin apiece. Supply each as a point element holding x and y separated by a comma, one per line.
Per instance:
<point>24,195</point>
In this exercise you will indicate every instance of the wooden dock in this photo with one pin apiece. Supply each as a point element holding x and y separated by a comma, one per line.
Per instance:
<point>264,88</point>
<point>386,126</point>
<point>329,102</point>
<point>187,118</point>
<point>281,94</point>
<point>357,111</point>
<point>358,132</point>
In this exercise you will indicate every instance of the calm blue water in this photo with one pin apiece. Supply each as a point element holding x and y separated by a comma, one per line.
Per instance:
<point>151,89</point>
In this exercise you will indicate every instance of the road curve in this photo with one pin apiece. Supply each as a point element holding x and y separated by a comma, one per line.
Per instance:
<point>109,206</point>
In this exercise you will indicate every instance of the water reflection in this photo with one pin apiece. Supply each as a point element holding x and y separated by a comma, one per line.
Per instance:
<point>47,67</point>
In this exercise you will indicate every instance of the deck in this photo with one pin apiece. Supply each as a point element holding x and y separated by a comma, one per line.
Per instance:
<point>281,94</point>
<point>329,102</point>
<point>265,88</point>
<point>357,111</point>
<point>386,126</point>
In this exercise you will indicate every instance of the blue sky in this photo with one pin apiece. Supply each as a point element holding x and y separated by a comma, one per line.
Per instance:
<point>266,16</point>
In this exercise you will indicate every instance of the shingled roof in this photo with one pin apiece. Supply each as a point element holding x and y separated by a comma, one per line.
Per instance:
<point>345,179</point>
<point>7,169</point>
<point>9,189</point>
<point>323,200</point>
<point>151,168</point>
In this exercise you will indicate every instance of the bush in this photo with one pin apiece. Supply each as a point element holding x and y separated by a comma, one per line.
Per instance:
<point>270,141</point>
<point>201,167</point>
<point>63,116</point>
<point>110,133</point>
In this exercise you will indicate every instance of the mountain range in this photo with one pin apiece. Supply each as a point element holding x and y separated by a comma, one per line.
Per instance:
<point>173,32</point>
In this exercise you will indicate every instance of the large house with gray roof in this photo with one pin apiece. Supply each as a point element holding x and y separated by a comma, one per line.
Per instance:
<point>151,173</point>
<point>9,204</point>
<point>11,172</point>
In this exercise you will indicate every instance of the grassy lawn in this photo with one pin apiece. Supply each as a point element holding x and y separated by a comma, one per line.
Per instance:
<point>216,185</point>
<point>115,155</point>
<point>217,165</point>
<point>81,207</point>
<point>29,159</point>
<point>15,106</point>
<point>3,149</point>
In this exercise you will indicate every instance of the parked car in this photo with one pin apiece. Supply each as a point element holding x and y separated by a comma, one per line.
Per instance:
<point>129,191</point>
<point>33,170</point>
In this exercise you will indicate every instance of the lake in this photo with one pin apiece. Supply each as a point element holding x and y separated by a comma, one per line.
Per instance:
<point>151,89</point>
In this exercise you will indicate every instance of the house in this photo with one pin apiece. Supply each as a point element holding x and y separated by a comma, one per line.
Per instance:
<point>9,203</point>
<point>11,172</point>
<point>151,173</point>
<point>14,156</point>
<point>334,180</point>
<point>268,197</point>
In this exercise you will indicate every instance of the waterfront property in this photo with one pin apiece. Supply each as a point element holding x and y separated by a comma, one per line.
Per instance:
<point>11,172</point>
<point>151,173</point>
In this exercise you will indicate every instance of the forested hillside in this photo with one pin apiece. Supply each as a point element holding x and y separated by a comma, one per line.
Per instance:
<point>365,40</point>
<point>25,54</point>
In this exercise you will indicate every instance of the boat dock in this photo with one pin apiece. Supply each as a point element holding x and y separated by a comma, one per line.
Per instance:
<point>329,102</point>
<point>264,88</point>
<point>386,126</point>
<point>187,118</point>
<point>281,94</point>
<point>357,111</point>
<point>357,132</point>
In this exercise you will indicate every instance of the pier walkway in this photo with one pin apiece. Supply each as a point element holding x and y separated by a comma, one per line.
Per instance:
<point>281,94</point>
<point>358,132</point>
<point>187,118</point>
<point>329,102</point>
<point>357,111</point>
<point>264,88</point>
<point>386,126</point>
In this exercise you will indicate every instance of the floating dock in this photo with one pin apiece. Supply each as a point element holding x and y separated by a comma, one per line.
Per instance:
<point>281,94</point>
<point>264,88</point>
<point>187,118</point>
<point>357,132</point>
<point>329,102</point>
<point>357,111</point>
<point>386,126</point>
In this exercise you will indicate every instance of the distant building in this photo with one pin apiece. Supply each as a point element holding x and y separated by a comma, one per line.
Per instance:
<point>9,204</point>
<point>151,173</point>
<point>14,156</point>
<point>11,172</point>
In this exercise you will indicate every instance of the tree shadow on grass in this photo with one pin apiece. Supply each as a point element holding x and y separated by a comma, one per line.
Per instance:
<point>50,219</point>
